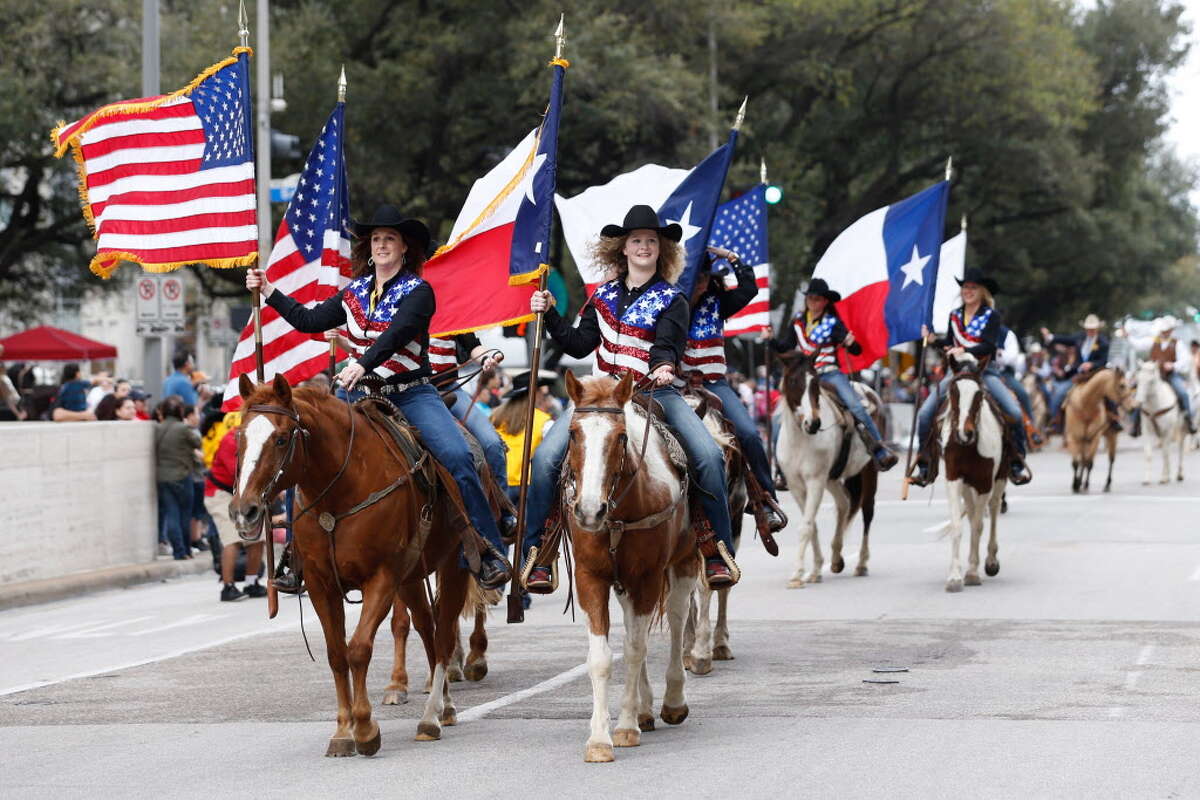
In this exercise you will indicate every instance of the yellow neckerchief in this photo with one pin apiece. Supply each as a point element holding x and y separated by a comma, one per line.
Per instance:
<point>376,293</point>
<point>810,320</point>
<point>967,318</point>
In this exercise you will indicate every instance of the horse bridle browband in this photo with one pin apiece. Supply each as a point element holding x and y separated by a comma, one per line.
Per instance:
<point>297,433</point>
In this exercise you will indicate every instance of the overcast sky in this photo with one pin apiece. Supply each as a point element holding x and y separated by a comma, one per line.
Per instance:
<point>1184,133</point>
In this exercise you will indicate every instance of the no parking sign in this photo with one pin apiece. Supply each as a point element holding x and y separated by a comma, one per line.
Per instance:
<point>159,305</point>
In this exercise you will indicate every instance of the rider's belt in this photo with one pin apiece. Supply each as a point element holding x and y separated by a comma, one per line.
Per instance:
<point>379,388</point>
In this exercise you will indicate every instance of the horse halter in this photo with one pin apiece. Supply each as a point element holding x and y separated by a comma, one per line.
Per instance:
<point>611,502</point>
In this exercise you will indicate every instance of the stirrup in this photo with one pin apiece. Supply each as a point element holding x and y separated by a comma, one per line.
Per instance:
<point>735,573</point>
<point>921,477</point>
<point>539,587</point>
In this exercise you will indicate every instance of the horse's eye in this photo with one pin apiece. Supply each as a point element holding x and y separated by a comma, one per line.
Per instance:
<point>280,441</point>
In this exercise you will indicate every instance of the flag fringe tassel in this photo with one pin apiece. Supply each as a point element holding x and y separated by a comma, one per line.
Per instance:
<point>526,278</point>
<point>105,264</point>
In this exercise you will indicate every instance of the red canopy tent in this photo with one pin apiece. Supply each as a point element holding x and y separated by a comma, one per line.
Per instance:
<point>47,343</point>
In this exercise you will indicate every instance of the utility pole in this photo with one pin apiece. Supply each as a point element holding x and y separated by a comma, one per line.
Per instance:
<point>155,349</point>
<point>712,77</point>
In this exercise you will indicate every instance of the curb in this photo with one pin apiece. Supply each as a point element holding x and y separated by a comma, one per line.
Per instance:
<point>28,593</point>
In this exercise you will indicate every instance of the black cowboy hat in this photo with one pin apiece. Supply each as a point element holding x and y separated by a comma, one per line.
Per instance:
<point>643,217</point>
<point>818,286</point>
<point>520,387</point>
<point>975,275</point>
<point>388,216</point>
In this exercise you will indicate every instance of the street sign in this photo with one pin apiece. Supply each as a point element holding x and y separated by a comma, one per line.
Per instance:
<point>160,308</point>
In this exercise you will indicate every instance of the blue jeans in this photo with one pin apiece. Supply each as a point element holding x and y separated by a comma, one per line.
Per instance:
<point>1014,385</point>
<point>1180,386</point>
<point>746,430</point>
<point>1058,393</point>
<point>840,383</point>
<point>996,387</point>
<point>424,409</point>
<point>704,456</point>
<point>175,511</point>
<point>494,451</point>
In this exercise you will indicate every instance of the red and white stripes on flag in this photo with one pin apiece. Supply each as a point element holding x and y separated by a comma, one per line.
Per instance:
<point>310,262</point>
<point>756,316</point>
<point>167,181</point>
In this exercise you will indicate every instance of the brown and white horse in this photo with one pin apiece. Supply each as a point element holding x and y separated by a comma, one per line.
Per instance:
<point>971,436</point>
<point>819,449</point>
<point>1086,423</point>
<point>330,451</point>
<point>629,520</point>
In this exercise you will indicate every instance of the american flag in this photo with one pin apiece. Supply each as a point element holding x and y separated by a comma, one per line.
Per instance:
<point>310,262</point>
<point>169,180</point>
<point>741,226</point>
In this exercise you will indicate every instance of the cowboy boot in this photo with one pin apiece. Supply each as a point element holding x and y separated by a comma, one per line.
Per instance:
<point>538,578</point>
<point>494,569</point>
<point>1136,430</point>
<point>288,578</point>
<point>884,458</point>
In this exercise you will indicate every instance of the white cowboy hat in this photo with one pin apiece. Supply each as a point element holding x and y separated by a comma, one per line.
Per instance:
<point>1092,322</point>
<point>1164,324</point>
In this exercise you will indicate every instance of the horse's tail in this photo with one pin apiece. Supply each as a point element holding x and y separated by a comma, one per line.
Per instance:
<point>941,530</point>
<point>478,599</point>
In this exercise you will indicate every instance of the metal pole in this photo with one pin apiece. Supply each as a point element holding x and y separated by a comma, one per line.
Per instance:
<point>712,76</point>
<point>262,135</point>
<point>770,416</point>
<point>153,347</point>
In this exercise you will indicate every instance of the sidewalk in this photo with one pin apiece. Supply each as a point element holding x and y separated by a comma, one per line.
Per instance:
<point>163,568</point>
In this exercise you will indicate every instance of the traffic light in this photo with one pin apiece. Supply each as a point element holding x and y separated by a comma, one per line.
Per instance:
<point>773,194</point>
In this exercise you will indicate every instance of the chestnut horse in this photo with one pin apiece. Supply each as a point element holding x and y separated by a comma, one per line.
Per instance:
<point>383,544</point>
<point>629,519</point>
<point>1086,423</point>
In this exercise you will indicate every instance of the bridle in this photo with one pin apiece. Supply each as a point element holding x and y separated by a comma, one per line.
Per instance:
<point>298,433</point>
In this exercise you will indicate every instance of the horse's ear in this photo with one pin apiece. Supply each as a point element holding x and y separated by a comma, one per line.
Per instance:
<point>787,358</point>
<point>282,388</point>
<point>574,387</point>
<point>245,385</point>
<point>624,389</point>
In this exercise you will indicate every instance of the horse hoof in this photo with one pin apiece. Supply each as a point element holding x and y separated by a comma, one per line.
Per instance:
<point>955,585</point>
<point>428,731</point>
<point>371,746</point>
<point>454,674</point>
<point>476,671</point>
<point>395,697</point>
<point>972,580</point>
<point>861,572</point>
<point>992,568</point>
<point>795,583</point>
<point>645,722</point>
<point>625,737</point>
<point>673,716</point>
<point>701,666</point>
<point>428,685</point>
<point>837,566</point>
<point>598,754</point>
<point>722,653</point>
<point>340,748</point>
<point>814,578</point>
<point>449,718</point>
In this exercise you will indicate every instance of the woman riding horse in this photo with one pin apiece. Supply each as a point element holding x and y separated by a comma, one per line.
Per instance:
<point>704,354</point>
<point>975,328</point>
<point>387,308</point>
<point>636,323</point>
<point>817,332</point>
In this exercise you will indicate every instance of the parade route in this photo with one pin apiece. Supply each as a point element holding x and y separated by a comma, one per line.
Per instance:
<point>1070,674</point>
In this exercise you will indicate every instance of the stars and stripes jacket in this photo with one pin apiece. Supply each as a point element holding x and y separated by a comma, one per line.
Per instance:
<point>704,351</point>
<point>391,341</point>
<point>981,337</point>
<point>819,341</point>
<point>632,330</point>
<point>445,354</point>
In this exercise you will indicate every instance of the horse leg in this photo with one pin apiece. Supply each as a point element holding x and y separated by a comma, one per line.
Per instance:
<point>476,668</point>
<point>1182,441</point>
<point>869,485</point>
<point>1165,446</point>
<point>637,631</point>
<point>954,490</point>
<point>396,692</point>
<point>808,534</point>
<point>439,708</point>
<point>378,596</point>
<point>1076,479</point>
<point>593,599</point>
<point>414,596</point>
<point>674,706</point>
<point>800,493</point>
<point>454,670</point>
<point>1111,445</point>
<point>1148,451</point>
<point>841,502</point>
<point>721,651</point>
<point>701,653</point>
<point>975,515</point>
<point>992,565</point>
<point>332,614</point>
<point>689,628</point>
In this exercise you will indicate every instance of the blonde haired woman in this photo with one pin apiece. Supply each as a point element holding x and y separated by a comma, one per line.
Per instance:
<point>637,322</point>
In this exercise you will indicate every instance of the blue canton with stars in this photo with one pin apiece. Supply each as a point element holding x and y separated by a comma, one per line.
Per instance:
<point>385,307</point>
<point>644,312</point>
<point>741,226</point>
<point>821,331</point>
<point>706,320</point>
<point>974,329</point>
<point>321,201</point>
<point>222,102</point>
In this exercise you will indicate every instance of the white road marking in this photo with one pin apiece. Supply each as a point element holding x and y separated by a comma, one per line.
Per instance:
<point>1046,498</point>
<point>561,679</point>
<point>95,631</point>
<point>1132,677</point>
<point>194,619</point>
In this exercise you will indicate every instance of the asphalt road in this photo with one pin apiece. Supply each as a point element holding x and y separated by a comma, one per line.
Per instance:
<point>1070,674</point>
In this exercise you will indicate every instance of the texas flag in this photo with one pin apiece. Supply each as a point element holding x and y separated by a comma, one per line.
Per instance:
<point>500,244</point>
<point>885,266</point>
<point>952,265</point>
<point>687,197</point>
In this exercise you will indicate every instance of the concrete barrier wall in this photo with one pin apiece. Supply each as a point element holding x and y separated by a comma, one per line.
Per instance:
<point>74,497</point>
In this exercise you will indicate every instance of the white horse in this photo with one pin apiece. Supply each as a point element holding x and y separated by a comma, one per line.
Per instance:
<point>820,449</point>
<point>1162,417</point>
<point>972,443</point>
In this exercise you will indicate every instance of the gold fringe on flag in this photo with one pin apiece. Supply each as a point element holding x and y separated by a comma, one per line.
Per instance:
<point>104,264</point>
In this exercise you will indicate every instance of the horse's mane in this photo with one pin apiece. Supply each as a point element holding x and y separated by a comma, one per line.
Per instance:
<point>594,389</point>
<point>264,394</point>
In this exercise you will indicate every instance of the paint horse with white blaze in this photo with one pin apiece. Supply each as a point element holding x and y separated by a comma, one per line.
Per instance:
<point>820,448</point>
<point>628,517</point>
<point>1161,416</point>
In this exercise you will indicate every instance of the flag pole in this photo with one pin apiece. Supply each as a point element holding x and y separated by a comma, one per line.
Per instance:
<point>516,609</point>
<point>762,176</point>
<point>341,98</point>
<point>263,165</point>
<point>912,431</point>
